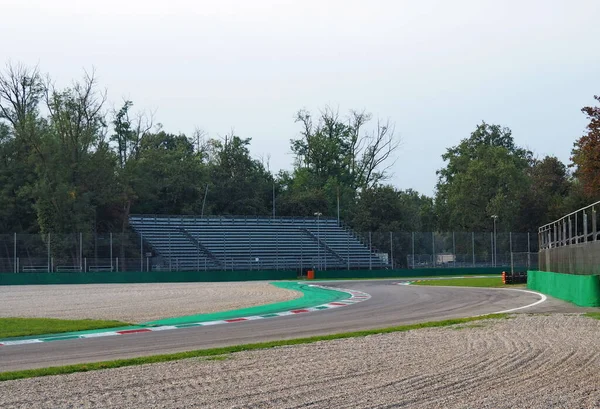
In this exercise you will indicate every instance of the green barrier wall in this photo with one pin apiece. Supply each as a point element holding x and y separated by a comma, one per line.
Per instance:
<point>416,272</point>
<point>582,290</point>
<point>211,276</point>
<point>142,277</point>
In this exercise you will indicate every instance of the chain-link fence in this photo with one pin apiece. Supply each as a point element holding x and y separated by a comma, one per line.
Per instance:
<point>82,252</point>
<point>457,249</point>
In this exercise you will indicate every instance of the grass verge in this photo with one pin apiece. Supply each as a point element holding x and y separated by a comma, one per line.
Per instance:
<point>595,315</point>
<point>23,327</point>
<point>390,278</point>
<point>224,351</point>
<point>465,282</point>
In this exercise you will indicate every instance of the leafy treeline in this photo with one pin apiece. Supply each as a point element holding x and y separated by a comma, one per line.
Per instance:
<point>70,164</point>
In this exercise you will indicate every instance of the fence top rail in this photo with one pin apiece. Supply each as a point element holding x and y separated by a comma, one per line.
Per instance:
<point>549,225</point>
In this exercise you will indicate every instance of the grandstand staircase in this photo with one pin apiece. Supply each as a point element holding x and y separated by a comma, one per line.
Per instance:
<point>203,250</point>
<point>322,243</point>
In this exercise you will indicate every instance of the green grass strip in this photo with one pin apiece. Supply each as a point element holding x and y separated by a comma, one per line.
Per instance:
<point>61,370</point>
<point>22,327</point>
<point>595,315</point>
<point>465,282</point>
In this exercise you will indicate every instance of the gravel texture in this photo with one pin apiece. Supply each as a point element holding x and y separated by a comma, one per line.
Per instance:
<point>530,361</point>
<point>135,302</point>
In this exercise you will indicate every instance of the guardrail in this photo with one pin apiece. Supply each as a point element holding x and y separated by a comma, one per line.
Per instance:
<point>580,226</point>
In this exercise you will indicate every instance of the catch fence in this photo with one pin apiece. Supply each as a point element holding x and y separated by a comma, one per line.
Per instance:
<point>111,252</point>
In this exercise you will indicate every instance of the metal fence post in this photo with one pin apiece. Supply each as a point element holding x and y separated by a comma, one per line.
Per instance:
<point>454,249</point>
<point>15,268</point>
<point>512,265</point>
<point>433,249</point>
<point>111,253</point>
<point>473,246</point>
<point>392,250</point>
<point>585,225</point>
<point>141,251</point>
<point>492,247</point>
<point>594,226</point>
<point>80,251</point>
<point>413,250</point>
<point>528,252</point>
<point>325,252</point>
<point>348,249</point>
<point>370,252</point>
<point>49,267</point>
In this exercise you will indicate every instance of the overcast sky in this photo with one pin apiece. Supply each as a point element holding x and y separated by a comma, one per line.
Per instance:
<point>435,68</point>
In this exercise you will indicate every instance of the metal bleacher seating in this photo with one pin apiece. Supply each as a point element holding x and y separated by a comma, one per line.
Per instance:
<point>188,243</point>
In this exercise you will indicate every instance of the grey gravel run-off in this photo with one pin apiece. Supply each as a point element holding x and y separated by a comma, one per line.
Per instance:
<point>525,362</point>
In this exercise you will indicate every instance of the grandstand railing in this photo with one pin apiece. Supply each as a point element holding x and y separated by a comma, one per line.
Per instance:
<point>571,244</point>
<point>577,227</point>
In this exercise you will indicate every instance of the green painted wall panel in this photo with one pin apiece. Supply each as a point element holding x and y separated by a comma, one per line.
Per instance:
<point>582,290</point>
<point>142,277</point>
<point>212,276</point>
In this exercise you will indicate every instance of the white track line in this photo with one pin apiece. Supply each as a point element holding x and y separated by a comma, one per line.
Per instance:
<point>541,300</point>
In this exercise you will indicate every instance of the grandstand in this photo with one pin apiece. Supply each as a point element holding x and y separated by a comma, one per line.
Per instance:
<point>189,243</point>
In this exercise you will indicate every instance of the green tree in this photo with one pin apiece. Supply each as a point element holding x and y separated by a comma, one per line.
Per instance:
<point>544,200</point>
<point>21,90</point>
<point>239,184</point>
<point>586,154</point>
<point>485,175</point>
<point>168,176</point>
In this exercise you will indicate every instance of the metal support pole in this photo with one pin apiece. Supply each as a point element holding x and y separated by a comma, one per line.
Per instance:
<point>111,253</point>
<point>492,247</point>
<point>392,250</point>
<point>473,246</point>
<point>585,227</point>
<point>594,226</point>
<point>370,253</point>
<point>301,255</point>
<point>453,249</point>
<point>141,251</point>
<point>80,251</point>
<point>495,244</point>
<point>318,241</point>
<point>325,241</point>
<point>170,261</point>
<point>413,250</point>
<point>512,265</point>
<point>348,249</point>
<point>49,266</point>
<point>15,268</point>
<point>433,261</point>
<point>528,252</point>
<point>576,230</point>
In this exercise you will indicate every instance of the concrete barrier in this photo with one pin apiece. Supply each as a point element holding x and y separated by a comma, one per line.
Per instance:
<point>582,290</point>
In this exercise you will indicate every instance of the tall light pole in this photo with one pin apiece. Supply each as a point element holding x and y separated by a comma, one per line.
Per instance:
<point>319,214</point>
<point>495,217</point>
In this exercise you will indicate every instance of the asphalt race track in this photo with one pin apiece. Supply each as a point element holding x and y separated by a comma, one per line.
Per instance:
<point>389,305</point>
